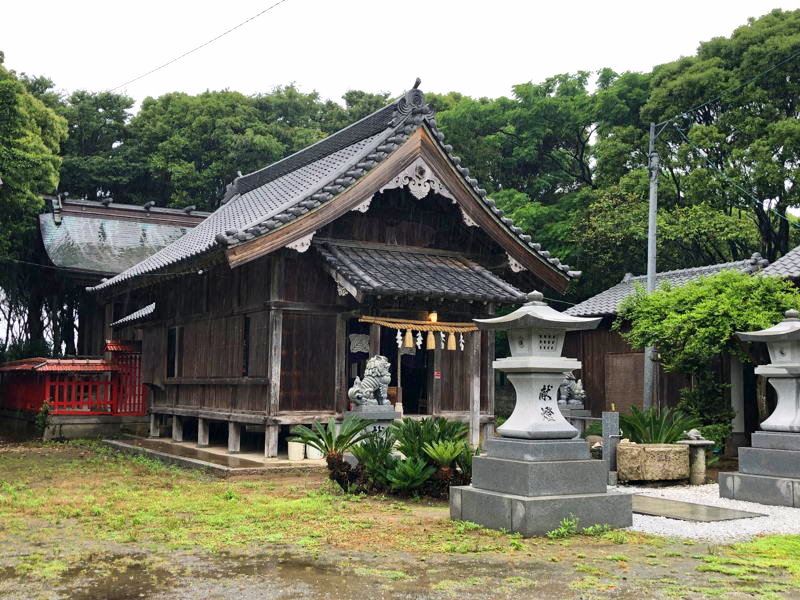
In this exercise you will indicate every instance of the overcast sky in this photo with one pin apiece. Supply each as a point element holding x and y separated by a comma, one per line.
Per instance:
<point>479,48</point>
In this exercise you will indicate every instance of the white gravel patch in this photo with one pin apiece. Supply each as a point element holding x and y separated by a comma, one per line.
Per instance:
<point>779,519</point>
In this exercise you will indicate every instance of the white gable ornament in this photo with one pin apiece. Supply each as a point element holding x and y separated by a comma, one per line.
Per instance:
<point>303,244</point>
<point>514,265</point>
<point>420,181</point>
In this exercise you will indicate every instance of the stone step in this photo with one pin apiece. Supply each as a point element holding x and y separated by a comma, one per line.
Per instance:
<point>776,440</point>
<point>538,515</point>
<point>537,450</point>
<point>774,491</point>
<point>769,462</point>
<point>544,478</point>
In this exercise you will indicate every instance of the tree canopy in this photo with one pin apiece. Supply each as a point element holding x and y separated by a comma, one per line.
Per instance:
<point>566,157</point>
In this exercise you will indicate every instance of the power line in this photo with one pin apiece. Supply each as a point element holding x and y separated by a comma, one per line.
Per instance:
<point>729,92</point>
<point>203,45</point>
<point>68,270</point>
<point>748,194</point>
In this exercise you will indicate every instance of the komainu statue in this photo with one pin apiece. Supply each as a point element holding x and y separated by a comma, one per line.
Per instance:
<point>373,390</point>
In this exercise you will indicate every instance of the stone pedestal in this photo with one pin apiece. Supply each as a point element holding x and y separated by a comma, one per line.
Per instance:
<point>697,459</point>
<point>769,471</point>
<point>382,414</point>
<point>529,486</point>
<point>538,473</point>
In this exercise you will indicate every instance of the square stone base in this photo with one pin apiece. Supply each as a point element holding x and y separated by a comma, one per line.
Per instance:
<point>770,462</point>
<point>539,478</point>
<point>773,491</point>
<point>537,450</point>
<point>539,514</point>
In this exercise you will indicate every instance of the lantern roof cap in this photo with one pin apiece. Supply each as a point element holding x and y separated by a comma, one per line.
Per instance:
<point>786,330</point>
<point>535,313</point>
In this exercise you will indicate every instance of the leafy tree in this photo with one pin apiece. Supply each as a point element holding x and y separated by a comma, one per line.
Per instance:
<point>692,324</point>
<point>94,165</point>
<point>30,136</point>
<point>751,133</point>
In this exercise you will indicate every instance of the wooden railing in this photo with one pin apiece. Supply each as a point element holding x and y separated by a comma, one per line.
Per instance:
<point>84,395</point>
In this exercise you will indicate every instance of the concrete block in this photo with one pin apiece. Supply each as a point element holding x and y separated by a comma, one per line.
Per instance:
<point>202,433</point>
<point>455,503</point>
<point>773,491</point>
<point>769,462</point>
<point>775,440</point>
<point>652,462</point>
<point>537,450</point>
<point>491,510</point>
<point>177,428</point>
<point>547,478</point>
<point>537,516</point>
<point>234,437</point>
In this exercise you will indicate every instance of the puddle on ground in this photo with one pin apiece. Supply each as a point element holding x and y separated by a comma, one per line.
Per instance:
<point>231,461</point>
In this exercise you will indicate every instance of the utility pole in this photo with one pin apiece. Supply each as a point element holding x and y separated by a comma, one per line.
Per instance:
<point>649,363</point>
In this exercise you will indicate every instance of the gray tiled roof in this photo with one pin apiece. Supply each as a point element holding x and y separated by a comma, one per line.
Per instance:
<point>103,246</point>
<point>398,270</point>
<point>135,316</point>
<point>607,302</point>
<point>787,265</point>
<point>266,200</point>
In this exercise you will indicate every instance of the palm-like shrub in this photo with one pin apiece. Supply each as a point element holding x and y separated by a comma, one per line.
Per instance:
<point>327,440</point>
<point>374,454</point>
<point>654,426</point>
<point>407,475</point>
<point>444,453</point>
<point>333,445</point>
<point>412,435</point>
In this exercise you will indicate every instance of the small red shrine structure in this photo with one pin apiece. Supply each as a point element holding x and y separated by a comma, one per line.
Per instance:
<point>76,386</point>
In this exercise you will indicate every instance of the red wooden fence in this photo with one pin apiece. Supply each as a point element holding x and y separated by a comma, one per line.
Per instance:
<point>75,386</point>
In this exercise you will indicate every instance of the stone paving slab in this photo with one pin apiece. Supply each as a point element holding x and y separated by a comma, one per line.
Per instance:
<point>209,461</point>
<point>687,511</point>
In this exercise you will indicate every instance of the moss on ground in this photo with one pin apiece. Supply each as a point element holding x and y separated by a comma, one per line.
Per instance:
<point>102,497</point>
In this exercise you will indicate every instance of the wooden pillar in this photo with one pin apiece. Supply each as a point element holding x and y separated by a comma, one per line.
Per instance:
<point>177,428</point>
<point>435,387</point>
<point>202,433</point>
<point>155,425</point>
<point>275,338</point>
<point>340,385</point>
<point>374,339</point>
<point>234,437</point>
<point>271,441</point>
<point>473,348</point>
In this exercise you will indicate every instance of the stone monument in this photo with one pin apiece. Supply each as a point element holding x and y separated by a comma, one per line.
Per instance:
<point>537,474</point>
<point>369,397</point>
<point>769,471</point>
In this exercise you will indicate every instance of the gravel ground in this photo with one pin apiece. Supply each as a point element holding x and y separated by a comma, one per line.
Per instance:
<point>779,519</point>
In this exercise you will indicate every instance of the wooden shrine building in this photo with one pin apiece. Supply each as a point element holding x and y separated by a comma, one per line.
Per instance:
<point>374,240</point>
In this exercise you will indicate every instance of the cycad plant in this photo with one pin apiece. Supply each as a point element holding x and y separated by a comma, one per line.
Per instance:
<point>407,475</point>
<point>374,454</point>
<point>444,453</point>
<point>334,444</point>
<point>654,426</point>
<point>412,435</point>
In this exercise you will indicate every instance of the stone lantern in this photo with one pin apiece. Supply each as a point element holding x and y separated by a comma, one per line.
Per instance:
<point>538,472</point>
<point>769,471</point>
<point>536,368</point>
